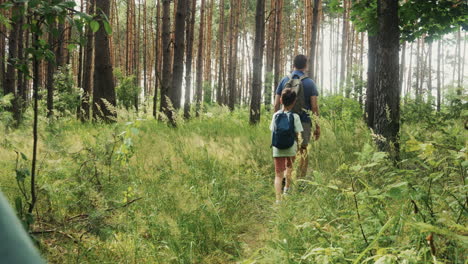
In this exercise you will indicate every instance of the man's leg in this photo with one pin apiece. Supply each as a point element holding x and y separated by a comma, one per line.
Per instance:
<point>303,162</point>
<point>303,153</point>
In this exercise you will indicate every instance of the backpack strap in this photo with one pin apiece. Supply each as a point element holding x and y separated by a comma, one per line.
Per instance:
<point>303,77</point>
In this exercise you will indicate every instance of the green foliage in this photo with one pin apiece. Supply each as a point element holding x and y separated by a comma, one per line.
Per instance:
<point>127,89</point>
<point>66,94</point>
<point>142,191</point>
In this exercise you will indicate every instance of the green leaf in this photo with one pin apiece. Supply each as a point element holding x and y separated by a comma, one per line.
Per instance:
<point>71,47</point>
<point>23,156</point>
<point>19,205</point>
<point>21,174</point>
<point>94,26</point>
<point>107,27</point>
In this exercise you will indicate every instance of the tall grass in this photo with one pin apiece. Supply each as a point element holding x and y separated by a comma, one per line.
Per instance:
<point>144,192</point>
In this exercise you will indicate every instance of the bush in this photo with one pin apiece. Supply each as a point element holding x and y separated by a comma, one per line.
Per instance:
<point>127,90</point>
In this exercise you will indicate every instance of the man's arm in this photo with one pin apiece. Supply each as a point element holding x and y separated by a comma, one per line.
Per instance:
<point>315,111</point>
<point>277,103</point>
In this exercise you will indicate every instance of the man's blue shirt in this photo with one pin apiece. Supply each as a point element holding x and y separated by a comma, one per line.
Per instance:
<point>310,89</point>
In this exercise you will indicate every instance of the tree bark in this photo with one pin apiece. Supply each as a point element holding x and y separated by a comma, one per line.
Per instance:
<point>257,62</point>
<point>104,91</point>
<point>219,88</point>
<point>51,68</point>
<point>270,52</point>
<point>233,56</point>
<point>179,52</point>
<point>402,66</point>
<point>88,69</point>
<point>313,39</point>
<point>429,75</point>
<point>344,38</point>
<point>157,49</point>
<point>371,72</point>
<point>387,97</point>
<point>166,66</point>
<point>199,80</point>
<point>189,56</point>
<point>439,85</point>
<point>278,29</point>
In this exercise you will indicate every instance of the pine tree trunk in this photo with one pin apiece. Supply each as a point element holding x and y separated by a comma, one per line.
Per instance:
<point>313,39</point>
<point>189,56</point>
<point>402,66</point>
<point>104,91</point>
<point>219,88</point>
<point>199,80</point>
<point>157,50</point>
<point>459,63</point>
<point>166,65</point>
<point>87,69</point>
<point>278,30</point>
<point>344,38</point>
<point>2,53</point>
<point>179,52</point>
<point>429,75</point>
<point>439,84</point>
<point>51,68</point>
<point>208,41</point>
<point>232,56</point>
<point>270,48</point>
<point>257,62</point>
<point>387,96</point>
<point>410,74</point>
<point>10,85</point>
<point>371,75</point>
<point>418,68</point>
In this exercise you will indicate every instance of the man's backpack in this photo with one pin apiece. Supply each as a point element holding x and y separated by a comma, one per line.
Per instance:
<point>283,131</point>
<point>297,86</point>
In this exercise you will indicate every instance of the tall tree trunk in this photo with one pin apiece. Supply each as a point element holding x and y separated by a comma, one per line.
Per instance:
<point>459,63</point>
<point>2,52</point>
<point>208,41</point>
<point>278,29</point>
<point>157,49</point>
<point>104,91</point>
<point>199,89</point>
<point>429,75</point>
<point>313,39</point>
<point>344,38</point>
<point>232,56</point>
<point>402,66</point>
<point>270,52</point>
<point>10,85</point>
<point>18,102</point>
<point>51,68</point>
<point>257,62</point>
<point>87,69</point>
<point>387,96</point>
<point>418,68</point>
<point>189,56</point>
<point>179,52</point>
<point>166,67</point>
<point>219,88</point>
<point>371,72</point>
<point>439,84</point>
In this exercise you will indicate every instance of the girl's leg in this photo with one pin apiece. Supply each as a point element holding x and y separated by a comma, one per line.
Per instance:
<point>278,184</point>
<point>288,172</point>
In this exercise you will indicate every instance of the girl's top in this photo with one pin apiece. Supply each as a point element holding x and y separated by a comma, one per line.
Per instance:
<point>289,152</point>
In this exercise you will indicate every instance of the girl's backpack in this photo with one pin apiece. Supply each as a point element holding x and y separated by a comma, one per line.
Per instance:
<point>283,131</point>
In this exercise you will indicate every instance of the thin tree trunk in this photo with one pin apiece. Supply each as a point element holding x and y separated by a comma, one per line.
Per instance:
<point>219,95</point>
<point>51,68</point>
<point>189,56</point>
<point>157,49</point>
<point>257,62</point>
<point>313,39</point>
<point>199,89</point>
<point>104,100</point>
<point>344,38</point>
<point>88,69</point>
<point>270,48</point>
<point>278,30</point>
<point>439,84</point>
<point>371,75</point>
<point>402,66</point>
<point>429,75</point>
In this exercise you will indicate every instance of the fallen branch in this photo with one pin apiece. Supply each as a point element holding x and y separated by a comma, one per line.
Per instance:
<point>83,216</point>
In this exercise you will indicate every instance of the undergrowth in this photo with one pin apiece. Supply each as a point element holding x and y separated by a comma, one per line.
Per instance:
<point>139,191</point>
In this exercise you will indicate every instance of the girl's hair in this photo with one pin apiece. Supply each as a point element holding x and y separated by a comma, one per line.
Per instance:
<point>288,97</point>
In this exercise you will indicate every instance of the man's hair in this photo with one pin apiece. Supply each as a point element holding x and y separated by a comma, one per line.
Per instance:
<point>288,97</point>
<point>300,61</point>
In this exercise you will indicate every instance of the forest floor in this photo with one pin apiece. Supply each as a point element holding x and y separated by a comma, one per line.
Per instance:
<point>143,192</point>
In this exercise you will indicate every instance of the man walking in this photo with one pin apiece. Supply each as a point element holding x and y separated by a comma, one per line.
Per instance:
<point>306,101</point>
